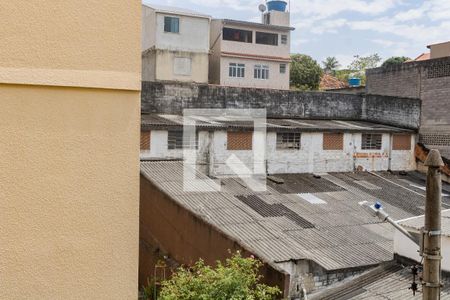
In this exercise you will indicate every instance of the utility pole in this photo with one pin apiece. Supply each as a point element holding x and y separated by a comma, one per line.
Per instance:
<point>432,230</point>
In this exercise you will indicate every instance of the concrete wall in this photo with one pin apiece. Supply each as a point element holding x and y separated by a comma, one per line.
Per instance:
<point>193,35</point>
<point>310,158</point>
<point>69,98</point>
<point>187,238</point>
<point>148,28</point>
<point>428,80</point>
<point>172,98</point>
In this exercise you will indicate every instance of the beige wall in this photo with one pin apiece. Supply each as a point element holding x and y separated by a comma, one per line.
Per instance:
<point>69,104</point>
<point>225,52</point>
<point>165,69</point>
<point>276,79</point>
<point>440,50</point>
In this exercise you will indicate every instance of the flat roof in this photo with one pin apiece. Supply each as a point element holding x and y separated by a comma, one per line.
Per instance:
<point>255,24</point>
<point>175,10</point>
<point>175,122</point>
<point>304,218</point>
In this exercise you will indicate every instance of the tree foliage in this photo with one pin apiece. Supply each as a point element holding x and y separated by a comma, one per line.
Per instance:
<point>361,63</point>
<point>395,60</point>
<point>330,64</point>
<point>305,72</point>
<point>236,279</point>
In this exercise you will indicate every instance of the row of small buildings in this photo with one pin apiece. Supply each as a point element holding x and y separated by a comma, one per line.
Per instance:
<point>183,45</point>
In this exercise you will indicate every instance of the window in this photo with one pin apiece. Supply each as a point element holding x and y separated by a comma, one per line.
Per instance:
<point>261,72</point>
<point>239,140</point>
<point>284,39</point>
<point>237,70</point>
<point>371,142</point>
<point>175,141</point>
<point>401,142</point>
<point>333,141</point>
<point>288,140</point>
<point>267,38</point>
<point>171,24</point>
<point>283,68</point>
<point>182,66</point>
<point>145,140</point>
<point>237,35</point>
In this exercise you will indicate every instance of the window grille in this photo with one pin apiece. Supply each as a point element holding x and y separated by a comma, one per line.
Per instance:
<point>284,39</point>
<point>333,141</point>
<point>239,140</point>
<point>175,141</point>
<point>288,140</point>
<point>438,70</point>
<point>371,142</point>
<point>283,68</point>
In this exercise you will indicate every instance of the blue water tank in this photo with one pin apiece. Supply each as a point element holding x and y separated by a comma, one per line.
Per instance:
<point>354,81</point>
<point>277,5</point>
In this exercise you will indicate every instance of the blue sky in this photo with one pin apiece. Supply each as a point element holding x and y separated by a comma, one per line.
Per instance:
<point>344,28</point>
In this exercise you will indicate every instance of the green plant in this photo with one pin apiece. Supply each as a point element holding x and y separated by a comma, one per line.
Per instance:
<point>330,64</point>
<point>149,291</point>
<point>236,279</point>
<point>305,73</point>
<point>394,61</point>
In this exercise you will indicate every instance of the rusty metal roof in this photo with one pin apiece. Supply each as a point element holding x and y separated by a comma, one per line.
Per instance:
<point>311,218</point>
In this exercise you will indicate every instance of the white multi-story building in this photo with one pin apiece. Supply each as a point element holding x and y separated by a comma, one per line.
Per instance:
<point>175,44</point>
<point>250,54</point>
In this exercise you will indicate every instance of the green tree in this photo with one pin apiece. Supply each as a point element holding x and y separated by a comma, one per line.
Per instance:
<point>330,64</point>
<point>236,279</point>
<point>361,63</point>
<point>305,72</point>
<point>395,60</point>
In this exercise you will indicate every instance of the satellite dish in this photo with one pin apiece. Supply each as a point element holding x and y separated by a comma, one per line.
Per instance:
<point>262,8</point>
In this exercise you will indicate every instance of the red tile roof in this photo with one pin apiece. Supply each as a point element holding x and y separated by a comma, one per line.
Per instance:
<point>329,82</point>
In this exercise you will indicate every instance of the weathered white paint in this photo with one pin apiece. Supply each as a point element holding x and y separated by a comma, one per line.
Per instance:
<point>310,158</point>
<point>182,56</point>
<point>406,248</point>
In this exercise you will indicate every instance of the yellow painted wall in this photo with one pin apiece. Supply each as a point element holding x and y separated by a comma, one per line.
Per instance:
<point>69,149</point>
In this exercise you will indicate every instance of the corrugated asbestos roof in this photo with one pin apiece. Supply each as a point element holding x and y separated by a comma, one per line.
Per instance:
<point>175,122</point>
<point>418,222</point>
<point>280,225</point>
<point>390,281</point>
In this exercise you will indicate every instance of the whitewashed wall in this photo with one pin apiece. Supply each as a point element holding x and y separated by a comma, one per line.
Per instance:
<point>311,158</point>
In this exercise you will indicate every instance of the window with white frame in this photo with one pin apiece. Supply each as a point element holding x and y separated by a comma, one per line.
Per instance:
<point>284,39</point>
<point>288,140</point>
<point>261,72</point>
<point>171,24</point>
<point>283,68</point>
<point>237,70</point>
<point>371,141</point>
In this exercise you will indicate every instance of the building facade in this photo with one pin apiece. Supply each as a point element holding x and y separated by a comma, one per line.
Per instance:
<point>428,80</point>
<point>251,54</point>
<point>175,44</point>
<point>69,183</point>
<point>294,146</point>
